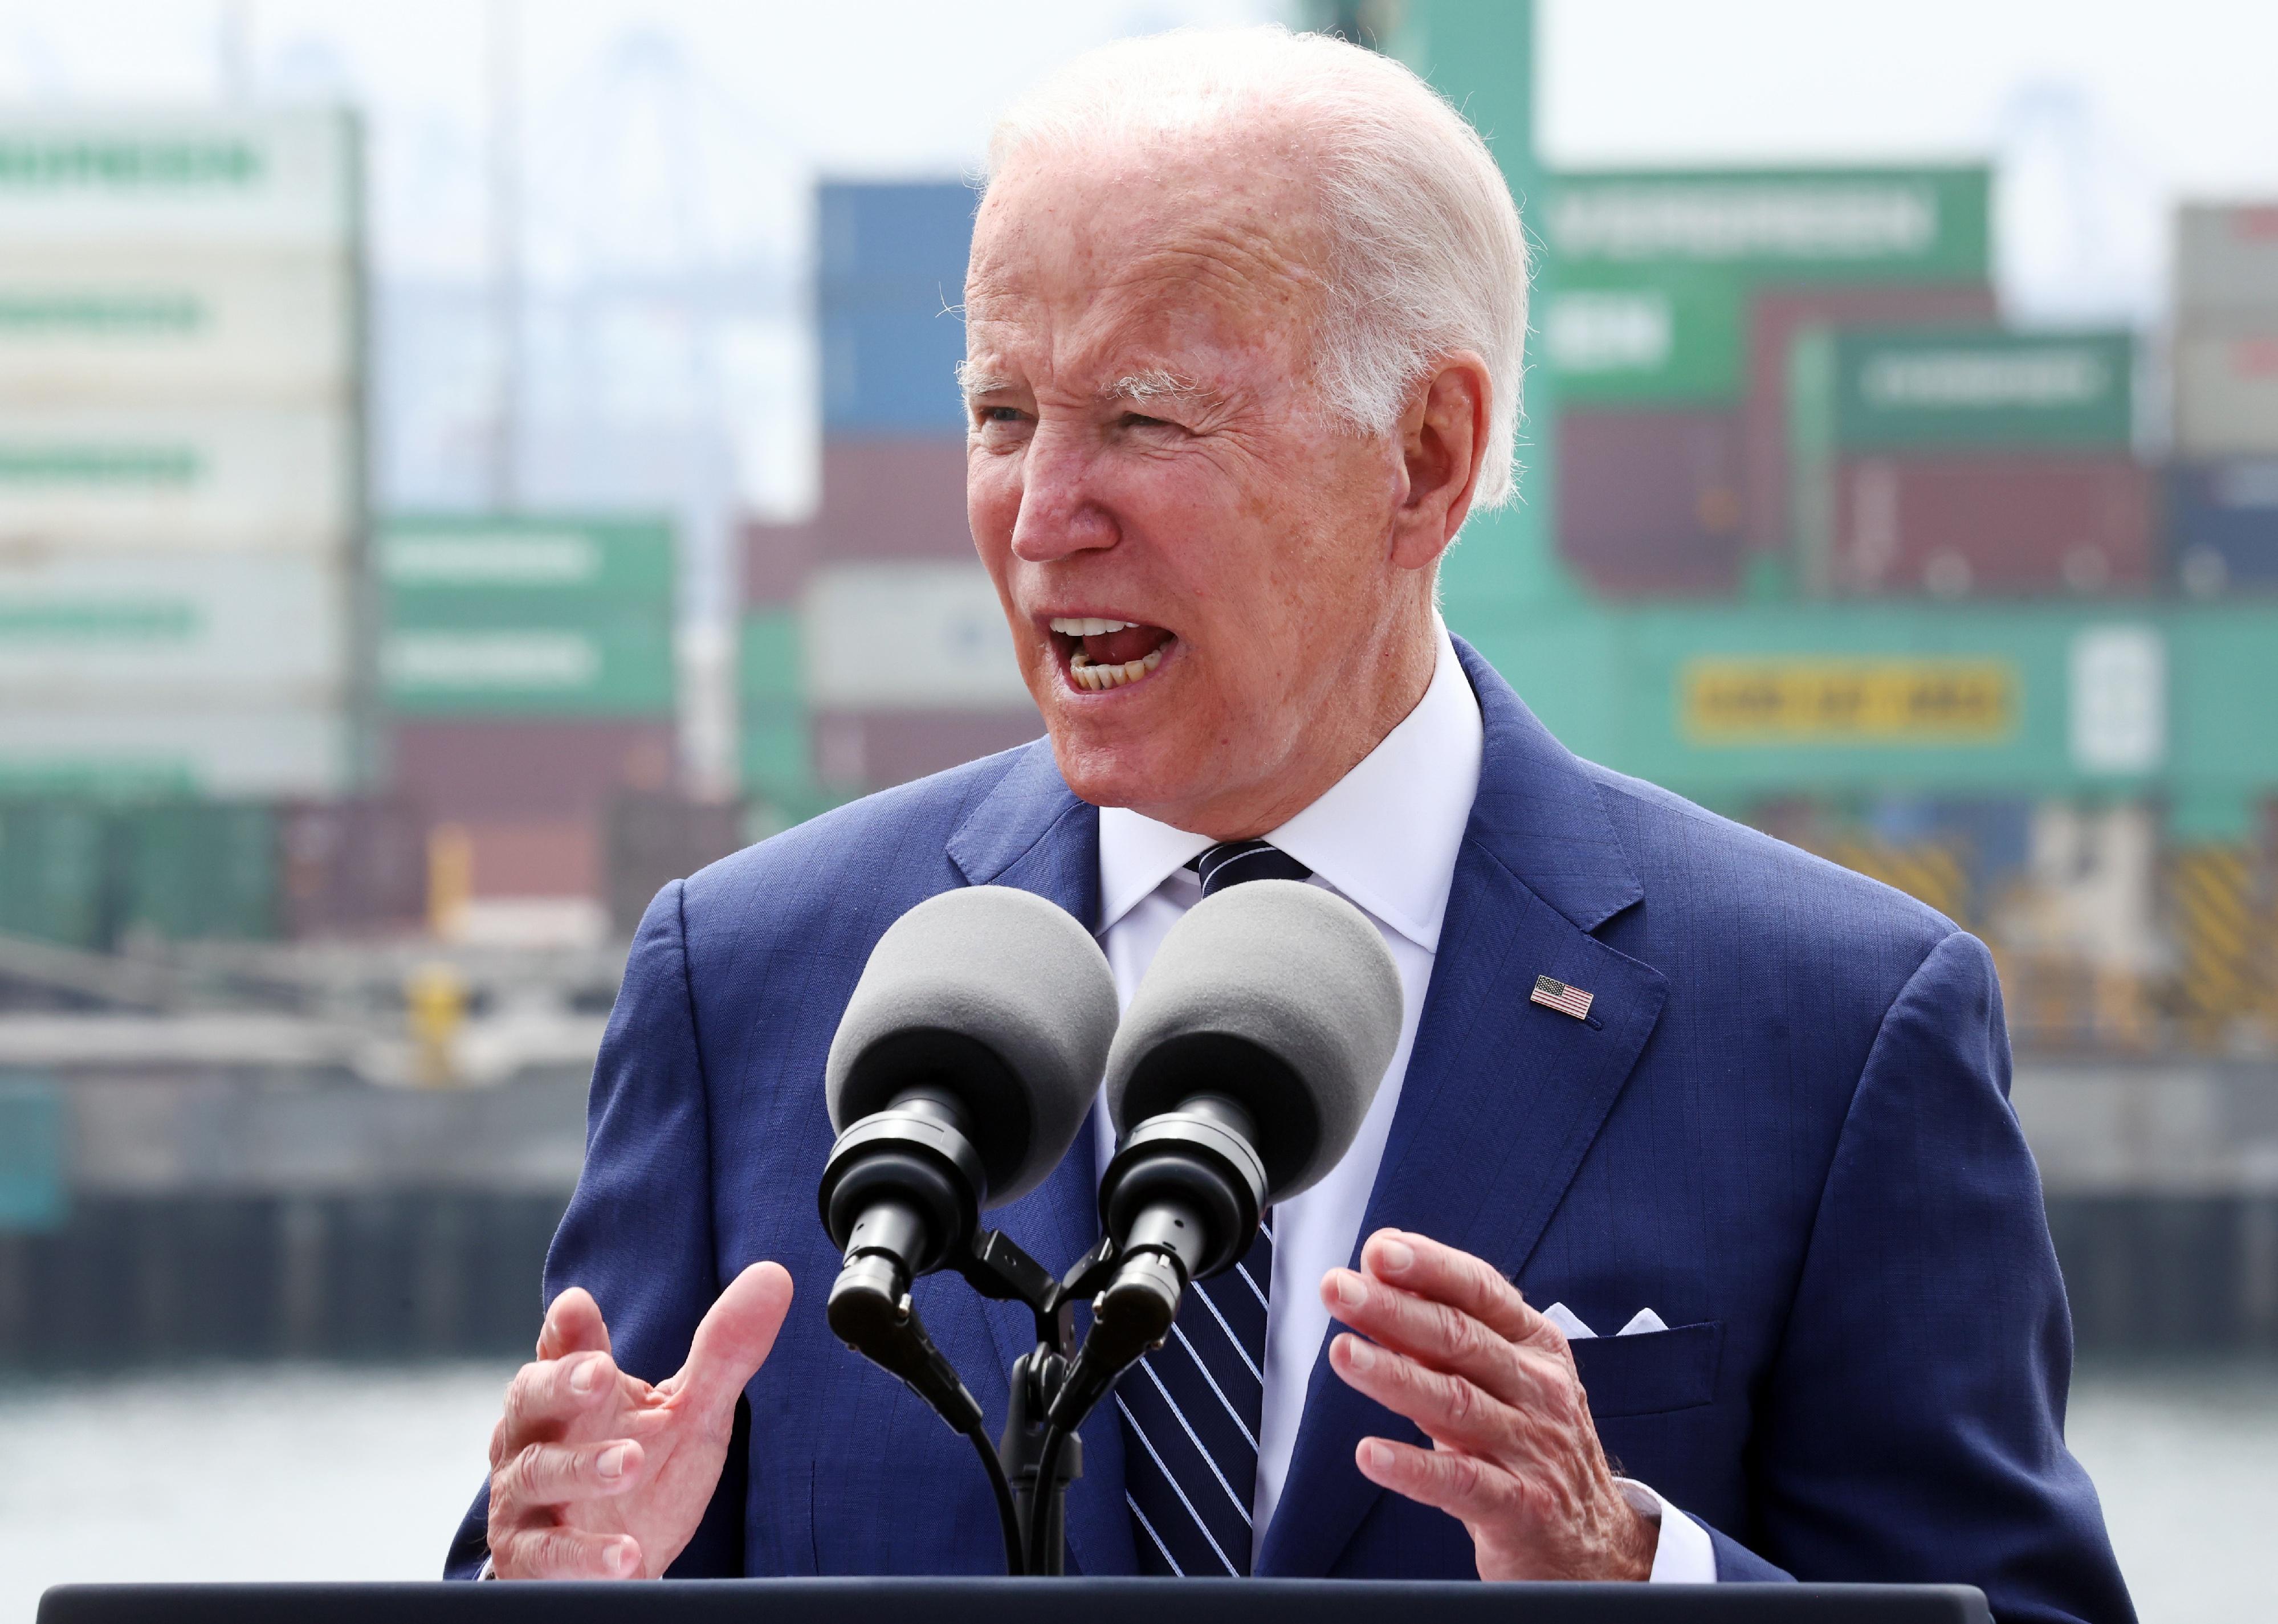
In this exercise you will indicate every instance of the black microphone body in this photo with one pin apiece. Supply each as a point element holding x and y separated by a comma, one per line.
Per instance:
<point>902,1187</point>
<point>961,1072</point>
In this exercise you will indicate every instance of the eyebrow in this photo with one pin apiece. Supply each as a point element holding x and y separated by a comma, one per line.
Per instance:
<point>1157,384</point>
<point>1136,388</point>
<point>976,381</point>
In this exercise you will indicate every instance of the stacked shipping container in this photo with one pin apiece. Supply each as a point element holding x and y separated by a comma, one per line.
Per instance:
<point>1675,294</point>
<point>179,451</point>
<point>528,668</point>
<point>873,651</point>
<point>180,494</point>
<point>2223,504</point>
<point>1962,461</point>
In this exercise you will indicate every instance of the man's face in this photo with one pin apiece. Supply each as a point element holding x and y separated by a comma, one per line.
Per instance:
<point>1191,550</point>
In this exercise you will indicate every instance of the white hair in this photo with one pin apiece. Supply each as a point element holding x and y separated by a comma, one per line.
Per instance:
<point>1426,253</point>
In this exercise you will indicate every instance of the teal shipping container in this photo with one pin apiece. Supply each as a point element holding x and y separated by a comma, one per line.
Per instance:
<point>1730,702</point>
<point>776,731</point>
<point>193,870</point>
<point>1652,334</point>
<point>1961,389</point>
<point>34,1190</point>
<point>769,656</point>
<point>54,872</point>
<point>1928,224</point>
<point>611,667</point>
<point>444,570</point>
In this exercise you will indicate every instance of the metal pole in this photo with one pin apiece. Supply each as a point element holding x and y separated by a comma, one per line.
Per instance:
<point>506,252</point>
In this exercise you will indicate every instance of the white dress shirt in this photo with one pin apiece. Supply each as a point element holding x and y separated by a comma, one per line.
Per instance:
<point>1385,838</point>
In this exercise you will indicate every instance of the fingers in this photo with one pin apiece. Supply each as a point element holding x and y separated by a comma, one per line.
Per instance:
<point>546,1396</point>
<point>542,1475</point>
<point>1443,1337</point>
<point>735,1337</point>
<point>1471,1489</point>
<point>1472,1285</point>
<point>564,1553</point>
<point>1451,1409</point>
<point>573,1325</point>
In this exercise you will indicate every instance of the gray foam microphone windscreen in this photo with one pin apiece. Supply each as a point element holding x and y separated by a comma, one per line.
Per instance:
<point>1279,995</point>
<point>1000,998</point>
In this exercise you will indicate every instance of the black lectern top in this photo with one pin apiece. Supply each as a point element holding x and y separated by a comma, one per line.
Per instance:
<point>1012,1601</point>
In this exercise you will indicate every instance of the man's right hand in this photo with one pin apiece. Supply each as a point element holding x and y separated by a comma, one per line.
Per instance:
<point>596,1474</point>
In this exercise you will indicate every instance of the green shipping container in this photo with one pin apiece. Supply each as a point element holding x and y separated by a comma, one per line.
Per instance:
<point>53,869</point>
<point>1979,389</point>
<point>778,752</point>
<point>192,871</point>
<point>1733,702</point>
<point>1804,224</point>
<point>770,665</point>
<point>429,565</point>
<point>1655,334</point>
<point>619,667</point>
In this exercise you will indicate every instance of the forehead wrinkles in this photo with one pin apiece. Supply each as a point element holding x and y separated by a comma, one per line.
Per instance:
<point>1082,290</point>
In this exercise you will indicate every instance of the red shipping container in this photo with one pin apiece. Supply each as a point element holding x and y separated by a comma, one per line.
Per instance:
<point>521,769</point>
<point>776,560</point>
<point>1986,526</point>
<point>893,498</point>
<point>884,499</point>
<point>1649,502</point>
<point>353,868</point>
<point>1775,317</point>
<point>657,838</point>
<point>875,749</point>
<point>545,856</point>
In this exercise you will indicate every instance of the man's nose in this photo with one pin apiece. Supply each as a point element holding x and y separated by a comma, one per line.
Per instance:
<point>1060,512</point>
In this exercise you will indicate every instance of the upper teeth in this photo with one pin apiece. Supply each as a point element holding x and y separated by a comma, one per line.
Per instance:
<point>1089,626</point>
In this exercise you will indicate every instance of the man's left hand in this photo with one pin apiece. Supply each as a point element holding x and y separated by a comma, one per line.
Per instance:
<point>1515,1456</point>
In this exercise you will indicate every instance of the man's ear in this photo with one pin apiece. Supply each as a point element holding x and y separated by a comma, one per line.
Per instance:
<point>1443,438</point>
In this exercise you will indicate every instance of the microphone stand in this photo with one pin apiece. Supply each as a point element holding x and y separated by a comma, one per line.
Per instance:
<point>1039,1454</point>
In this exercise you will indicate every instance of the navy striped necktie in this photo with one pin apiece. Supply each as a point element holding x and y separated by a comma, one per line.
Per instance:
<point>1191,1410</point>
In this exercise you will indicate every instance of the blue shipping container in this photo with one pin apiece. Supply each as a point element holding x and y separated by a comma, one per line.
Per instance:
<point>889,285</point>
<point>2224,522</point>
<point>887,239</point>
<point>888,372</point>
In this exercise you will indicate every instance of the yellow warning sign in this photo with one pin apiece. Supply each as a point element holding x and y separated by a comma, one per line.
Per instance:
<point>1818,701</point>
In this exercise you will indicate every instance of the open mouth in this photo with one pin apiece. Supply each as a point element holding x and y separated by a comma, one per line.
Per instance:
<point>1102,653</point>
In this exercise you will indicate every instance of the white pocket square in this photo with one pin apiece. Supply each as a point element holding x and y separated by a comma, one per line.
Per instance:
<point>1571,1323</point>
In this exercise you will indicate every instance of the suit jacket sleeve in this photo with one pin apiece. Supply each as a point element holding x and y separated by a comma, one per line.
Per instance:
<point>637,1234</point>
<point>1912,1424</point>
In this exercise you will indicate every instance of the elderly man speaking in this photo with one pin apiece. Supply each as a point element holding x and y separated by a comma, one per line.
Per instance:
<point>1701,1241</point>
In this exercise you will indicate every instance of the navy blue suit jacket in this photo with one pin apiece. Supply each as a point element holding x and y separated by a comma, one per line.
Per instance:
<point>1785,1128</point>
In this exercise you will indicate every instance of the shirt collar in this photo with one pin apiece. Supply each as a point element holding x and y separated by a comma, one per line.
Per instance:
<point>1384,836</point>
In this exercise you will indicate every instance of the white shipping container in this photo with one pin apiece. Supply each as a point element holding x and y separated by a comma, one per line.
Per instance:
<point>2227,260</point>
<point>173,628</point>
<point>151,477</point>
<point>2226,391</point>
<point>172,322</point>
<point>916,636</point>
<point>275,750</point>
<point>275,179</point>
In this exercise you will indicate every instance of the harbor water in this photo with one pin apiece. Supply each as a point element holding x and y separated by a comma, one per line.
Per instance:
<point>345,1472</point>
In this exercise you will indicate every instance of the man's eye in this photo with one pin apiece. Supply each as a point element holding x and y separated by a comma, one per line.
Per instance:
<point>1140,420</point>
<point>1002,413</point>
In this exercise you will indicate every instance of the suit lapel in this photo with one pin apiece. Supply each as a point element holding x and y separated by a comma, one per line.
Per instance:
<point>1033,833</point>
<point>1503,1097</point>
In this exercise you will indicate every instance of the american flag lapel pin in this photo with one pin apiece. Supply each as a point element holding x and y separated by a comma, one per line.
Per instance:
<point>1554,994</point>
